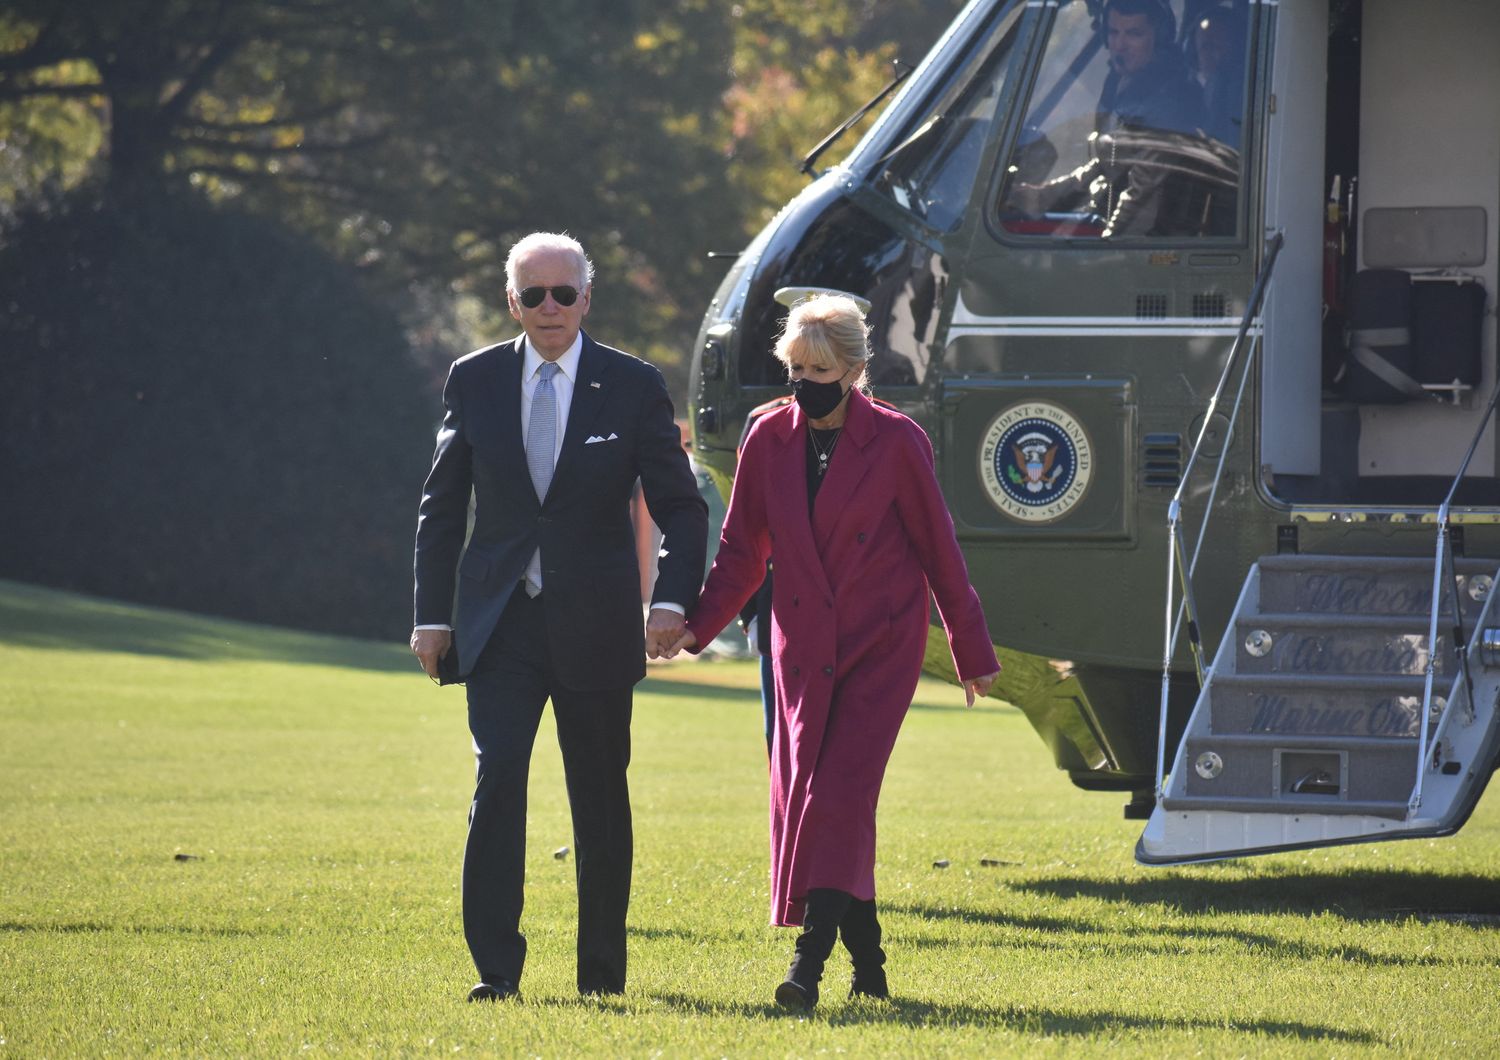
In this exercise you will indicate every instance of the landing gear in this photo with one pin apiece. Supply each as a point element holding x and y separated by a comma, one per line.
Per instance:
<point>1140,805</point>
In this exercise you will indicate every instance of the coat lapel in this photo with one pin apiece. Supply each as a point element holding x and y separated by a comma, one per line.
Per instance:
<point>503,401</point>
<point>846,469</point>
<point>590,390</point>
<point>791,453</point>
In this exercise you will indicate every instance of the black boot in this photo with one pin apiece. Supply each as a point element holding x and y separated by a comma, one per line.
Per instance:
<point>820,930</point>
<point>861,932</point>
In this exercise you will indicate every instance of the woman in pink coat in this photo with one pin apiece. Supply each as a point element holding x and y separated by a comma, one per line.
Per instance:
<point>842,492</point>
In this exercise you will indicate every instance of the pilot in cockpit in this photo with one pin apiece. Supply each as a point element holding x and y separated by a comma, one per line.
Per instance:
<point>1217,57</point>
<point>1149,116</point>
<point>1148,85</point>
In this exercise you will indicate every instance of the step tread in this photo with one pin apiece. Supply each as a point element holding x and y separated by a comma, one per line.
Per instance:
<point>1412,684</point>
<point>1344,620</point>
<point>1301,805</point>
<point>1324,561</point>
<point>1310,741</point>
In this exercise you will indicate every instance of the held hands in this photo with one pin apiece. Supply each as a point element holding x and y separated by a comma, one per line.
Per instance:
<point>664,628</point>
<point>685,642</point>
<point>978,688</point>
<point>430,645</point>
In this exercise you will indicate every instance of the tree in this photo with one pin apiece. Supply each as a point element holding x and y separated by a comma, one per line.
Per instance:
<point>790,88</point>
<point>413,140</point>
<point>213,211</point>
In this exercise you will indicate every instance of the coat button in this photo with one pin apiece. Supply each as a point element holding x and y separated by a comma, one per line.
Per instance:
<point>796,671</point>
<point>827,671</point>
<point>796,601</point>
<point>861,539</point>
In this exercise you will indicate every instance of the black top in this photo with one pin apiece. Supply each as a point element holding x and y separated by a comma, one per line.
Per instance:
<point>823,442</point>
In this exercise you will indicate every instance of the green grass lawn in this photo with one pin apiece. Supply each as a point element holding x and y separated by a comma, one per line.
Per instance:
<point>218,839</point>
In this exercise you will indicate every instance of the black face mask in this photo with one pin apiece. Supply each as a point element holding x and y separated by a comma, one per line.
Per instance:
<point>818,399</point>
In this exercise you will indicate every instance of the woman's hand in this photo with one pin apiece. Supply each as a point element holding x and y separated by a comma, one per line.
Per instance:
<point>684,643</point>
<point>978,688</point>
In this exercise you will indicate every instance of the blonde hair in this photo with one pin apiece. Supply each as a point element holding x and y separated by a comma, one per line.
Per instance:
<point>827,331</point>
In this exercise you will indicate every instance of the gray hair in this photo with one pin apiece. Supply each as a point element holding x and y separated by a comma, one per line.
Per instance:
<point>560,241</point>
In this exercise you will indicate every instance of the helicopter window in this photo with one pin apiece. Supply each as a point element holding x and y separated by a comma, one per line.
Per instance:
<point>931,169</point>
<point>1134,128</point>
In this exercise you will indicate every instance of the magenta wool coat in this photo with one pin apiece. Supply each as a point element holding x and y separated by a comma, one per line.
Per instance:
<point>849,618</point>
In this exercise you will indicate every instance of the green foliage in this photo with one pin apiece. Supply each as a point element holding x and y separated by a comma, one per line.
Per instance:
<point>320,787</point>
<point>418,141</point>
<point>212,216</point>
<point>206,412</point>
<point>799,71</point>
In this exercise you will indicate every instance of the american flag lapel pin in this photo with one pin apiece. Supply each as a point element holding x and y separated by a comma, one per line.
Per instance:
<point>594,385</point>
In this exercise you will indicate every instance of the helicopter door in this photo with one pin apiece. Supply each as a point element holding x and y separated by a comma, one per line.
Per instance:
<point>1406,217</point>
<point>1290,435</point>
<point>1110,261</point>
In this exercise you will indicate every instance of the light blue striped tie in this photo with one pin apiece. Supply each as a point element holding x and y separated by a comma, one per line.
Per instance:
<point>541,443</point>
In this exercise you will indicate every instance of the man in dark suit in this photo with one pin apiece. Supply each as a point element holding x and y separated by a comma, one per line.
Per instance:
<point>550,433</point>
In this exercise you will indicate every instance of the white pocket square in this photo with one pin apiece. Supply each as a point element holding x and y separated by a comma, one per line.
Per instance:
<point>591,439</point>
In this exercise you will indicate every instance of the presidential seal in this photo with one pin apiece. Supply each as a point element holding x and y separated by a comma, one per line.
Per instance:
<point>1035,462</point>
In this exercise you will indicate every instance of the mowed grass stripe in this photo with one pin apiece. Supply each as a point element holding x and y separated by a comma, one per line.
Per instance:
<point>319,787</point>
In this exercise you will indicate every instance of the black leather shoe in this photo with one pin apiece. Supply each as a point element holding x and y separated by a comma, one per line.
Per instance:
<point>596,990</point>
<point>869,982</point>
<point>498,990</point>
<point>797,997</point>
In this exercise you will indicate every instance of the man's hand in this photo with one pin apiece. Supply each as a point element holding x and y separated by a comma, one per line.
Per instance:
<point>663,628</point>
<point>430,645</point>
<point>979,687</point>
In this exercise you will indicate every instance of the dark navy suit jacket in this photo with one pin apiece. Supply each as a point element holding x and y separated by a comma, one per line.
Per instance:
<point>589,567</point>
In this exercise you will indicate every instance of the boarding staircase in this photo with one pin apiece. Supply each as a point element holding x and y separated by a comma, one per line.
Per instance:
<point>1308,728</point>
<point>1351,698</point>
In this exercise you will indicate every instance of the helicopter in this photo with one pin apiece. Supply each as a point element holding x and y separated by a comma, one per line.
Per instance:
<point>1192,298</point>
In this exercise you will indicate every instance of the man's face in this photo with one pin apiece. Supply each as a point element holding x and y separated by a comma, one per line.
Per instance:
<point>550,328</point>
<point>1213,46</point>
<point>1131,42</point>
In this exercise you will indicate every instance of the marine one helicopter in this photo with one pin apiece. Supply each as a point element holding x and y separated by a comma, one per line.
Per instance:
<point>1191,297</point>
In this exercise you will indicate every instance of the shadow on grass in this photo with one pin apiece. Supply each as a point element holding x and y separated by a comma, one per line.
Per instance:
<point>679,934</point>
<point>921,707</point>
<point>1042,1021</point>
<point>49,619</point>
<point>94,927</point>
<point>1060,933</point>
<point>1359,894</point>
<point>697,690</point>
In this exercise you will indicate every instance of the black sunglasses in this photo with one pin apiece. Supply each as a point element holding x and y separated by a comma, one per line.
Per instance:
<point>531,297</point>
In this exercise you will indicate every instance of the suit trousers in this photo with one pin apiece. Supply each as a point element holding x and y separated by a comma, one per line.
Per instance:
<point>507,690</point>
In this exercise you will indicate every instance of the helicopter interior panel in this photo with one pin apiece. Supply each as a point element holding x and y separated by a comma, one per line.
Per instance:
<point>1412,185</point>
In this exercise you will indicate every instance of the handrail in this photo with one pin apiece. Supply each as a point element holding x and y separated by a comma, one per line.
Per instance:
<point>1444,575</point>
<point>1178,567</point>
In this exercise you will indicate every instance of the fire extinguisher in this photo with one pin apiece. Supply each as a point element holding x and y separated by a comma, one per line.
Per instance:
<point>1333,254</point>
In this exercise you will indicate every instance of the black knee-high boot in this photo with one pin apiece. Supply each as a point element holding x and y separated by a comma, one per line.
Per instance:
<point>861,932</point>
<point>820,930</point>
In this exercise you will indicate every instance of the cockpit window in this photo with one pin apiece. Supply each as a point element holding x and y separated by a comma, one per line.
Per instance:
<point>931,169</point>
<point>1135,124</point>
